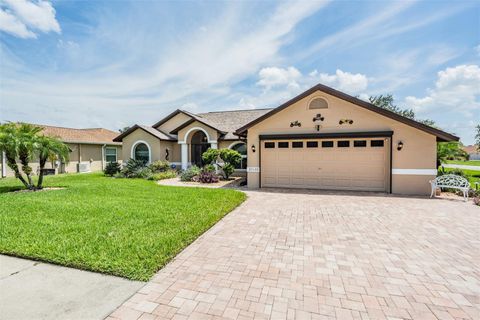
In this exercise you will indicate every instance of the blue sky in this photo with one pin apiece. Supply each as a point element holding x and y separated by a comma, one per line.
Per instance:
<point>114,63</point>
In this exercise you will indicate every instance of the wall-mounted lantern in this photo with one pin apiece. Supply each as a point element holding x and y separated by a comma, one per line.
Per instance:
<point>345,121</point>
<point>253,148</point>
<point>295,123</point>
<point>399,145</point>
<point>318,117</point>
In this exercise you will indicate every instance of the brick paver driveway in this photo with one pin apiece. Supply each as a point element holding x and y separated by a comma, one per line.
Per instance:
<point>324,256</point>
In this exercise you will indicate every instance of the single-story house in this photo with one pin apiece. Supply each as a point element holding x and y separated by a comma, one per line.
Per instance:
<point>320,139</point>
<point>472,151</point>
<point>90,149</point>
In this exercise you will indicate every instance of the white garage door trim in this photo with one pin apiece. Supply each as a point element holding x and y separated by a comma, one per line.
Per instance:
<point>340,183</point>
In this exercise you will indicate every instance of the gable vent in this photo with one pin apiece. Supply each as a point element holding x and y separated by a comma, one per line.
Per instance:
<point>318,103</point>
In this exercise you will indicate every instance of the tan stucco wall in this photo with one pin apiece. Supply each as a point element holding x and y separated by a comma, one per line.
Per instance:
<point>419,150</point>
<point>212,134</point>
<point>157,151</point>
<point>174,122</point>
<point>87,152</point>
<point>226,144</point>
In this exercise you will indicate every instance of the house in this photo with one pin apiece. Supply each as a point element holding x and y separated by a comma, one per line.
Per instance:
<point>90,150</point>
<point>320,139</point>
<point>472,151</point>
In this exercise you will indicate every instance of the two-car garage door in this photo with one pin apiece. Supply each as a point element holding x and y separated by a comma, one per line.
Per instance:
<point>341,164</point>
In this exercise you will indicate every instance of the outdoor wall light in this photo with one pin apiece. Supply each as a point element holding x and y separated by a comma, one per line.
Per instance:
<point>344,121</point>
<point>295,123</point>
<point>318,117</point>
<point>253,148</point>
<point>399,145</point>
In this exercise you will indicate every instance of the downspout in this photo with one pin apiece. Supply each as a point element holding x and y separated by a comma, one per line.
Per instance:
<point>4,165</point>
<point>103,156</point>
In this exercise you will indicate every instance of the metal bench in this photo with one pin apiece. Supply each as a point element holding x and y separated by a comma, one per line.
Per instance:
<point>451,181</point>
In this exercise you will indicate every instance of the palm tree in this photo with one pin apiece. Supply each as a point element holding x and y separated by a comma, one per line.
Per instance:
<point>23,141</point>
<point>10,144</point>
<point>27,136</point>
<point>46,148</point>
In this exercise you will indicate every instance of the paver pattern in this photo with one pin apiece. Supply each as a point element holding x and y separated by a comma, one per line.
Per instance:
<point>319,255</point>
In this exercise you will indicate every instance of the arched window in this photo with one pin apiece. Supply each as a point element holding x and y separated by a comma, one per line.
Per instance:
<point>141,152</point>
<point>241,148</point>
<point>318,103</point>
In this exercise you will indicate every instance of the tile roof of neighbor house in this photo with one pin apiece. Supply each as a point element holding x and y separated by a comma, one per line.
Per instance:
<point>88,136</point>
<point>471,149</point>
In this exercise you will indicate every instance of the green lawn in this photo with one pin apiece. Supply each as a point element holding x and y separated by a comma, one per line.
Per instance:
<point>465,163</point>
<point>125,227</point>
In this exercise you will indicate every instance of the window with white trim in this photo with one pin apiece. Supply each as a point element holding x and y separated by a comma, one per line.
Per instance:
<point>241,148</point>
<point>111,154</point>
<point>141,153</point>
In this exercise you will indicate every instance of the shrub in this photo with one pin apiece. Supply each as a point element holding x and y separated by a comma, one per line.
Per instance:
<point>230,159</point>
<point>163,175</point>
<point>136,169</point>
<point>457,172</point>
<point>207,177</point>
<point>159,166</point>
<point>209,168</point>
<point>190,173</point>
<point>112,168</point>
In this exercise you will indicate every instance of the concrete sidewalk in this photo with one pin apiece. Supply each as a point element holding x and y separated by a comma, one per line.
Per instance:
<point>36,290</point>
<point>460,166</point>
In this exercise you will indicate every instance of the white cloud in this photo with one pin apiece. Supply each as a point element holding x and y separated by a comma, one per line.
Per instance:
<point>454,102</point>
<point>273,76</point>
<point>21,17</point>
<point>10,24</point>
<point>456,89</point>
<point>344,81</point>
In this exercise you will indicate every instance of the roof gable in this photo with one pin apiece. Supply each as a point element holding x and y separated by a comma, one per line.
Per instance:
<point>154,132</point>
<point>441,135</point>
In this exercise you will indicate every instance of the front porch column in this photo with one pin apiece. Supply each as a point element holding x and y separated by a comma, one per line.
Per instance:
<point>184,156</point>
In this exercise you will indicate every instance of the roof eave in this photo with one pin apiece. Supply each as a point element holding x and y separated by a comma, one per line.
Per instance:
<point>440,134</point>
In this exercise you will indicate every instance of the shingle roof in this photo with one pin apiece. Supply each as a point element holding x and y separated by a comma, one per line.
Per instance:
<point>230,121</point>
<point>153,131</point>
<point>92,135</point>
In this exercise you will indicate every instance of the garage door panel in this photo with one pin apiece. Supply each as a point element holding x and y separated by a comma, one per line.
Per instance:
<point>349,168</point>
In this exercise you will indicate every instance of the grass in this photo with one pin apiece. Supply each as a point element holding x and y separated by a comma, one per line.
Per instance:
<point>465,163</point>
<point>472,175</point>
<point>124,227</point>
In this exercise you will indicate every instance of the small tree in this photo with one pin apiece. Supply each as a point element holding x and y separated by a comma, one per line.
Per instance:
<point>23,142</point>
<point>387,102</point>
<point>46,148</point>
<point>229,159</point>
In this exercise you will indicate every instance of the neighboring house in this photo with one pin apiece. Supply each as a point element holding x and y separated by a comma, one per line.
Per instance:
<point>90,149</point>
<point>473,152</point>
<point>321,139</point>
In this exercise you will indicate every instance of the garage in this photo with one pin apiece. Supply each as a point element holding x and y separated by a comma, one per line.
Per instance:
<point>336,163</point>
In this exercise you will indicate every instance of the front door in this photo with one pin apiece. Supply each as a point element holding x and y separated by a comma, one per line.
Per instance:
<point>199,145</point>
<point>197,151</point>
